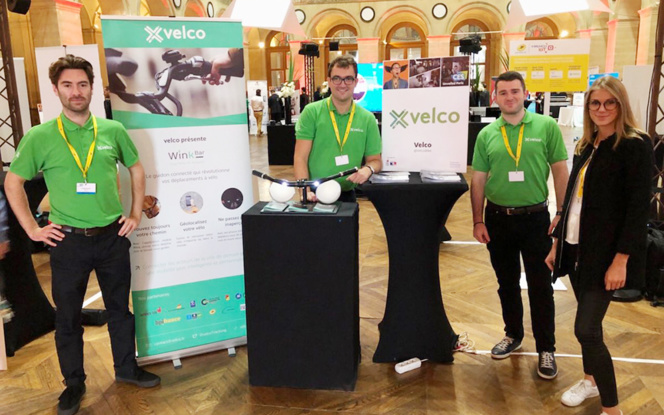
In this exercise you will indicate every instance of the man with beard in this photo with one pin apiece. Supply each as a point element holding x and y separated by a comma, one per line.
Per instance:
<point>78,154</point>
<point>511,163</point>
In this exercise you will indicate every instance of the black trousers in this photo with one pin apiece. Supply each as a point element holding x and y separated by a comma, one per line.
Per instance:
<point>592,306</point>
<point>72,261</point>
<point>524,236</point>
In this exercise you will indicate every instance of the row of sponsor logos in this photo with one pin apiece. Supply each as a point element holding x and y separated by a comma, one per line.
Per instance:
<point>197,315</point>
<point>194,304</point>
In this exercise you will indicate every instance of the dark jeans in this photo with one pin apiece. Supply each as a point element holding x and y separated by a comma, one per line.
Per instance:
<point>592,307</point>
<point>523,236</point>
<point>72,261</point>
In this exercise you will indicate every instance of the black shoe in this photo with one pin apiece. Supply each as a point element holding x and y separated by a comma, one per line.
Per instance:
<point>70,399</point>
<point>505,348</point>
<point>140,378</point>
<point>546,366</point>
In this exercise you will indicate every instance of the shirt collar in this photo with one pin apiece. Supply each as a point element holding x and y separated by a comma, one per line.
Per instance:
<point>334,109</point>
<point>527,118</point>
<point>72,126</point>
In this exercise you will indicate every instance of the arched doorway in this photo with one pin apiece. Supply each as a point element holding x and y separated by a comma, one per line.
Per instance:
<point>346,35</point>
<point>479,64</point>
<point>541,29</point>
<point>405,41</point>
<point>277,52</point>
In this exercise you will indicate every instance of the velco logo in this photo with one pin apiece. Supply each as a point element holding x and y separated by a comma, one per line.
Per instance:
<point>404,118</point>
<point>100,148</point>
<point>155,34</point>
<point>536,139</point>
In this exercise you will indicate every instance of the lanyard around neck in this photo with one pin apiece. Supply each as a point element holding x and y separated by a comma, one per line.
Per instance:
<point>91,151</point>
<point>518,146</point>
<point>336,128</point>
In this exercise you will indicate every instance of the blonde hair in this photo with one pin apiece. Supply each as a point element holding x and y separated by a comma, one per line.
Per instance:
<point>625,123</point>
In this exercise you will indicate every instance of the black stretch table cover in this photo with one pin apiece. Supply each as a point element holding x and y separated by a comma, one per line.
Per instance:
<point>302,292</point>
<point>280,144</point>
<point>415,323</point>
<point>33,314</point>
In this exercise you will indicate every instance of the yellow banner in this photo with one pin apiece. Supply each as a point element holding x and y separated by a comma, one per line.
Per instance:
<point>552,68</point>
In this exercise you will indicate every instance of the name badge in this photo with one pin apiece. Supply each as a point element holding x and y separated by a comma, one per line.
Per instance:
<point>86,188</point>
<point>516,176</point>
<point>341,160</point>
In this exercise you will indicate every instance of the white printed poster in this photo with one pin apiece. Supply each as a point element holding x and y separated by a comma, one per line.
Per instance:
<point>425,114</point>
<point>178,87</point>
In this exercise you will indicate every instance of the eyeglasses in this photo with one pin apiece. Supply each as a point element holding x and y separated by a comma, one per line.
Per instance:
<point>336,80</point>
<point>609,105</point>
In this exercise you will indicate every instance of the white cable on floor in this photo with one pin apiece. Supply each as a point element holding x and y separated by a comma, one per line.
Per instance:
<point>618,359</point>
<point>92,299</point>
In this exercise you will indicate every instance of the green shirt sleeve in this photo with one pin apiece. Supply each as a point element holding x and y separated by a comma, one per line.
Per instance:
<point>374,143</point>
<point>555,144</point>
<point>480,158</point>
<point>28,160</point>
<point>128,154</point>
<point>305,129</point>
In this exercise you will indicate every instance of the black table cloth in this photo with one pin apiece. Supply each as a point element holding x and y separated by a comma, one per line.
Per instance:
<point>33,314</point>
<point>302,296</point>
<point>280,144</point>
<point>415,323</point>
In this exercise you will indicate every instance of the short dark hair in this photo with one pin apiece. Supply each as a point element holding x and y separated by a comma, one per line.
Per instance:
<point>511,76</point>
<point>69,62</point>
<point>344,61</point>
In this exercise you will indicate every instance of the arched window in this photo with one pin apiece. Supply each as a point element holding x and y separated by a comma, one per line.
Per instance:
<point>346,35</point>
<point>277,50</point>
<point>541,29</point>
<point>479,64</point>
<point>405,41</point>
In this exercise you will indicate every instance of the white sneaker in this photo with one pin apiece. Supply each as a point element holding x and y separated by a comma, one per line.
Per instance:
<point>578,393</point>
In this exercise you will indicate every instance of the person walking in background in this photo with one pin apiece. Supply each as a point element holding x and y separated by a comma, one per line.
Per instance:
<point>602,231</point>
<point>257,106</point>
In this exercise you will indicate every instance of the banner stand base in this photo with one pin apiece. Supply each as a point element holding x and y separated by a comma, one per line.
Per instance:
<point>177,364</point>
<point>231,352</point>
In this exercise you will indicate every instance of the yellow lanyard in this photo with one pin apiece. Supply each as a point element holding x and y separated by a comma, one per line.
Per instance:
<point>336,128</point>
<point>91,151</point>
<point>518,146</point>
<point>582,177</point>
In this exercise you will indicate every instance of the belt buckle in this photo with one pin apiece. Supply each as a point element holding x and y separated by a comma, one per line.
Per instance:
<point>510,211</point>
<point>88,231</point>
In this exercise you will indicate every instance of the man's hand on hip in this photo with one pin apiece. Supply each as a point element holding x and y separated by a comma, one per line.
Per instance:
<point>48,234</point>
<point>128,225</point>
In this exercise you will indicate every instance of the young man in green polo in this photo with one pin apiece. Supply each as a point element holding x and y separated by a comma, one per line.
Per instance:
<point>334,134</point>
<point>512,159</point>
<point>78,154</point>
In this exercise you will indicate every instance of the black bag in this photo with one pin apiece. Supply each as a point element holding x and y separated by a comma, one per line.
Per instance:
<point>654,264</point>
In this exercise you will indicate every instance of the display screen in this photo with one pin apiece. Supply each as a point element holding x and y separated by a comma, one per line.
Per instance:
<point>369,90</point>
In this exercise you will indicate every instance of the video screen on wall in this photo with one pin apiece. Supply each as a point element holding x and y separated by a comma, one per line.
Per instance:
<point>369,90</point>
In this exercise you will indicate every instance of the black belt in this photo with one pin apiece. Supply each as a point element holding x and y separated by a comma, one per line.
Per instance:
<point>522,210</point>
<point>90,231</point>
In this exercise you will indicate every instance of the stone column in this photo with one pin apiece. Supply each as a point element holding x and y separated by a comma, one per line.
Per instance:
<point>620,50</point>
<point>56,22</point>
<point>439,45</point>
<point>647,35</point>
<point>368,50</point>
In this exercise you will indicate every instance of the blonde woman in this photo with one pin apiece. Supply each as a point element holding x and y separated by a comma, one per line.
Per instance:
<point>602,230</point>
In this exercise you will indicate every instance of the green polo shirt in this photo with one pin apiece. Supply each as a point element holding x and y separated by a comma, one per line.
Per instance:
<point>542,146</point>
<point>363,140</point>
<point>44,149</point>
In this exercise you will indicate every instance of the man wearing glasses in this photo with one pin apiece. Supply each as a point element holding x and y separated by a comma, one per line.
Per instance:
<point>512,159</point>
<point>334,134</point>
